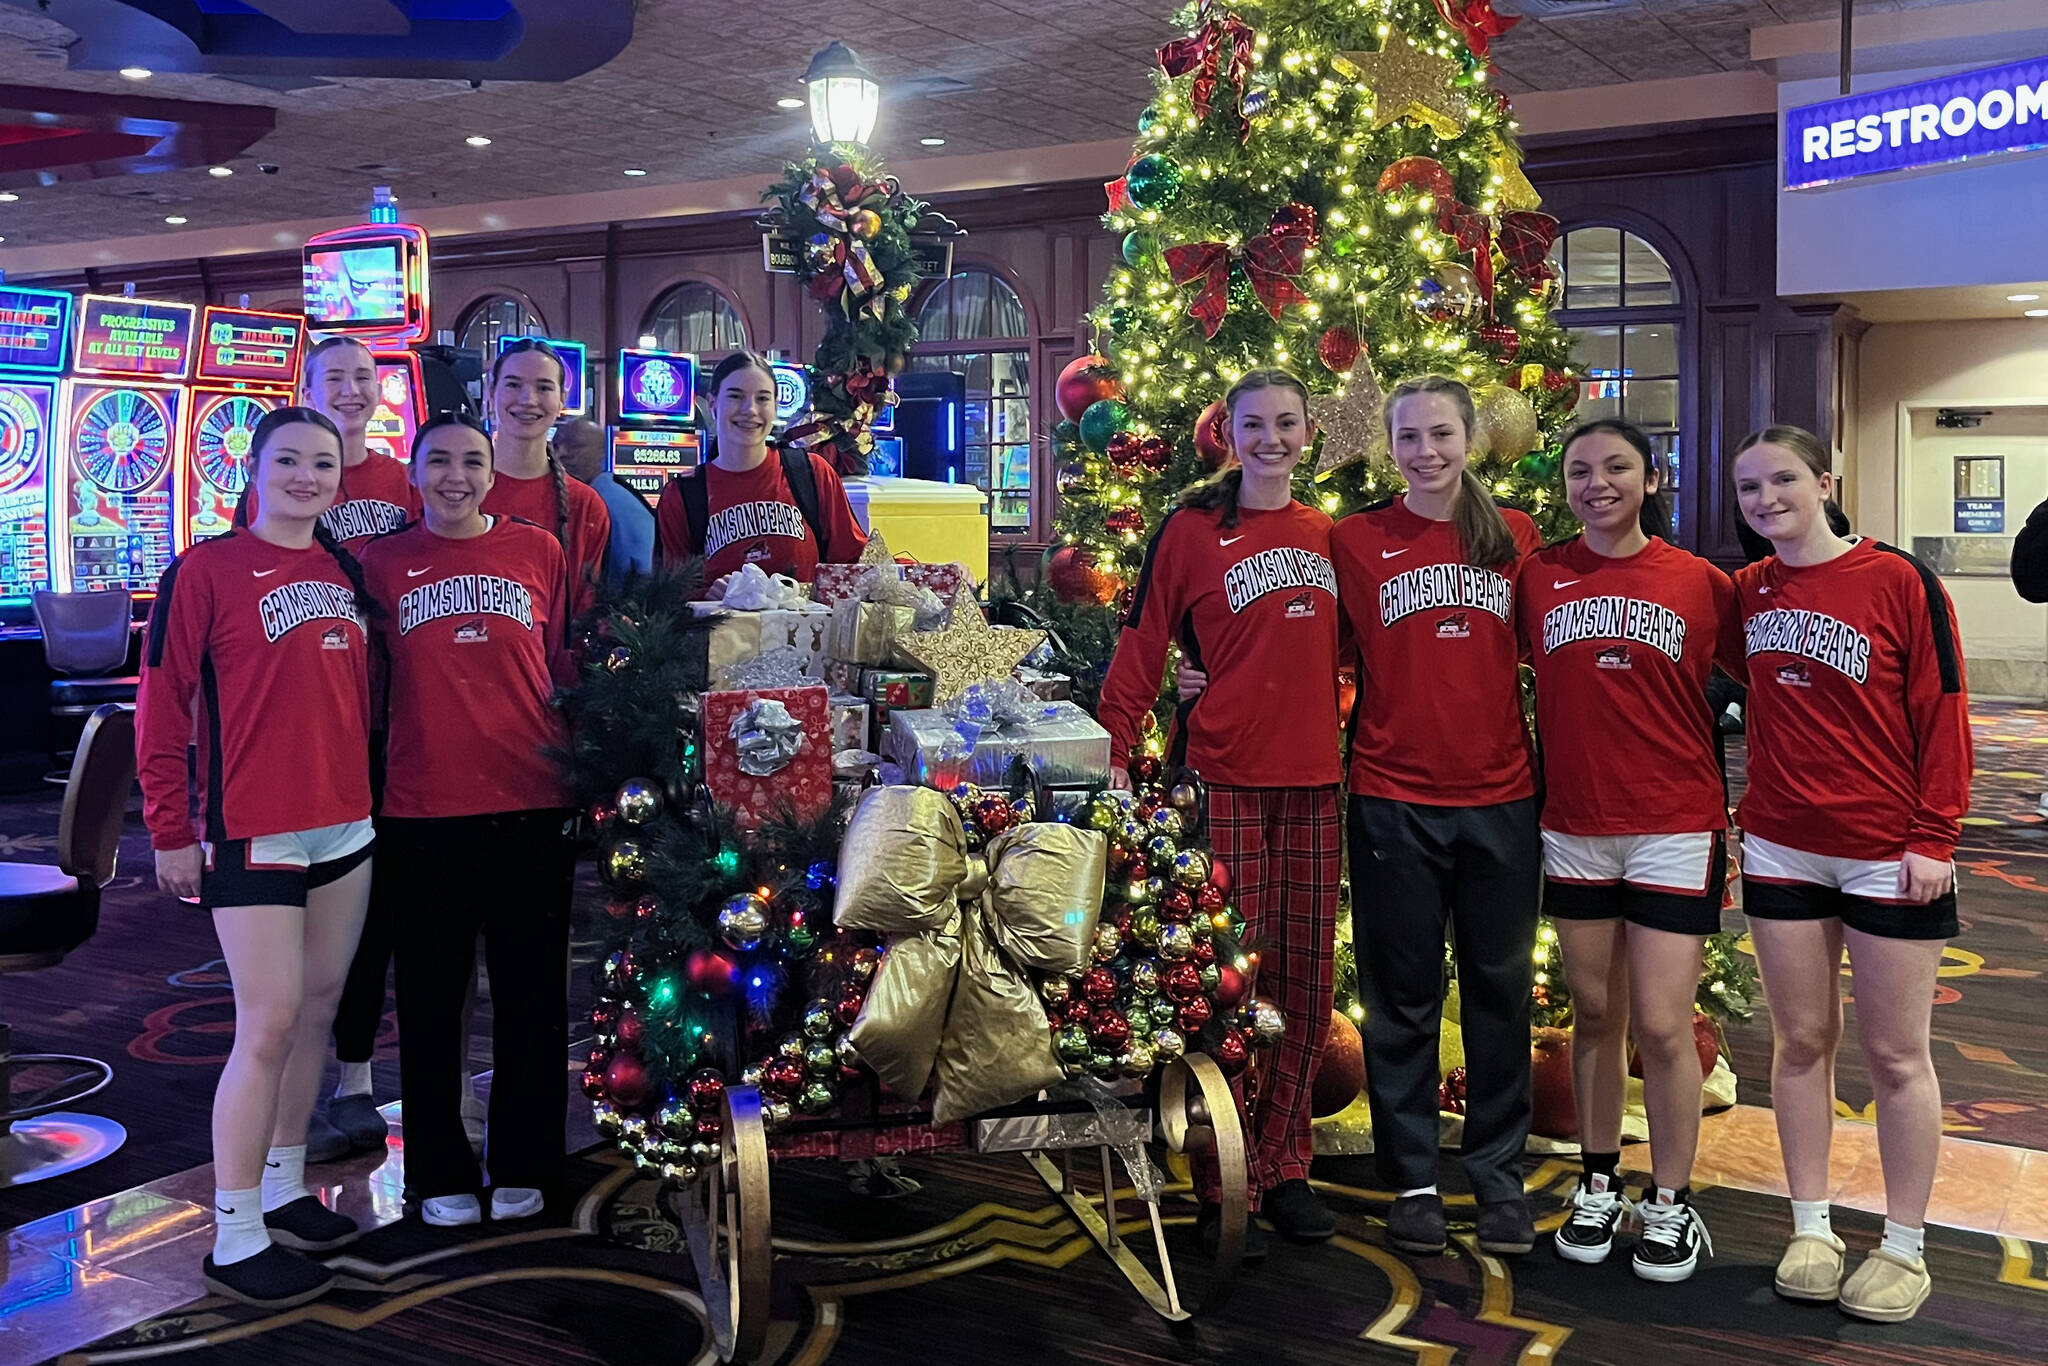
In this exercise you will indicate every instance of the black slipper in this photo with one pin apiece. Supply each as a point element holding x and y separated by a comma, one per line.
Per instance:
<point>272,1279</point>
<point>306,1225</point>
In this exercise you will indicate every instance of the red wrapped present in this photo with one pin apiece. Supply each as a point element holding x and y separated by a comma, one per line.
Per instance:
<point>768,752</point>
<point>943,579</point>
<point>833,583</point>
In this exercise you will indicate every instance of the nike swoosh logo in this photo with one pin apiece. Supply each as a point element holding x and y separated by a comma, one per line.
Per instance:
<point>263,573</point>
<point>1763,588</point>
<point>1231,541</point>
<point>1562,583</point>
<point>415,573</point>
<point>1390,554</point>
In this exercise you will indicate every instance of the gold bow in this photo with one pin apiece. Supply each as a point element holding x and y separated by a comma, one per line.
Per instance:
<point>952,991</point>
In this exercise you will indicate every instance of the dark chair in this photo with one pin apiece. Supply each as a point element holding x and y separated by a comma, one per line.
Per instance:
<point>85,641</point>
<point>46,911</point>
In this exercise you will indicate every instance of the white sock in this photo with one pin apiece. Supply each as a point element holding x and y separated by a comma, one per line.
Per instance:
<point>284,1177</point>
<point>238,1232</point>
<point>1811,1216</point>
<point>355,1080</point>
<point>1420,1190</point>
<point>1904,1242</point>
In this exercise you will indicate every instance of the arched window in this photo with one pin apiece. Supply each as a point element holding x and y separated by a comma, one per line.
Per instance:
<point>1621,307</point>
<point>694,318</point>
<point>496,316</point>
<point>975,325</point>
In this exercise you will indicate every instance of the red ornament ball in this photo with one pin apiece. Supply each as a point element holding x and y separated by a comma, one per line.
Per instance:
<point>706,1089</point>
<point>848,1009</point>
<point>1232,1051</point>
<point>1212,435</point>
<point>1420,173</point>
<point>709,1127</point>
<point>1145,768</point>
<point>1124,521</point>
<point>1340,1075</point>
<point>631,1028</point>
<point>1109,1030</point>
<point>1182,982</point>
<point>1295,219</point>
<point>645,907</point>
<point>626,1081</point>
<point>783,1078</point>
<point>1178,906</point>
<point>712,973</point>
<point>1229,987</point>
<point>1194,1014</point>
<point>1339,349</point>
<point>1552,1112</point>
<point>1155,452</point>
<point>1219,876</point>
<point>1098,986</point>
<point>1209,898</point>
<point>1088,380</point>
<point>1122,452</point>
<point>1075,575</point>
<point>619,910</point>
<point>593,1083</point>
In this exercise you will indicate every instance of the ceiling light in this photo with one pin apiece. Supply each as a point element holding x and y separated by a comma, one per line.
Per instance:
<point>220,172</point>
<point>931,142</point>
<point>8,196</point>
<point>137,73</point>
<point>174,219</point>
<point>2037,313</point>
<point>477,140</point>
<point>2021,298</point>
<point>789,102</point>
<point>2,239</point>
<point>635,171</point>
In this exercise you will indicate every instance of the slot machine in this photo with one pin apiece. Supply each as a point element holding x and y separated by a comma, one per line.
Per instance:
<point>247,365</point>
<point>656,433</point>
<point>35,339</point>
<point>370,282</point>
<point>123,443</point>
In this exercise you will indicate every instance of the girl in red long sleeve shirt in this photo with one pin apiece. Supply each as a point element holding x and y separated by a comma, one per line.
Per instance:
<point>259,635</point>
<point>1239,575</point>
<point>1859,774</point>
<point>472,629</point>
<point>1623,630</point>
<point>1442,815</point>
<point>739,507</point>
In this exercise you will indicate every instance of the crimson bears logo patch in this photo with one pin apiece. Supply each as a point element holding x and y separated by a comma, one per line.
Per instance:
<point>1795,674</point>
<point>292,605</point>
<point>334,638</point>
<point>1282,569</point>
<point>1456,626</point>
<point>472,632</point>
<point>1302,604</point>
<point>1613,657</point>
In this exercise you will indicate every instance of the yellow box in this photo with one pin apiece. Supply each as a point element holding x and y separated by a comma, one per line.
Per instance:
<point>933,522</point>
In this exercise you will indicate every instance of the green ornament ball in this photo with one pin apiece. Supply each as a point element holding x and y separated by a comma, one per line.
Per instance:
<point>1124,319</point>
<point>1137,247</point>
<point>1103,813</point>
<point>1066,435</point>
<point>1071,1043</point>
<point>1243,298</point>
<point>1533,466</point>
<point>1148,118</point>
<point>1103,420</point>
<point>815,1099</point>
<point>1153,181</point>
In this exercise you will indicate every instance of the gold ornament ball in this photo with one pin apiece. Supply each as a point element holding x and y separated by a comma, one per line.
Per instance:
<point>638,801</point>
<point>1191,868</point>
<point>1461,288</point>
<point>866,223</point>
<point>1507,422</point>
<point>1184,797</point>
<point>625,863</point>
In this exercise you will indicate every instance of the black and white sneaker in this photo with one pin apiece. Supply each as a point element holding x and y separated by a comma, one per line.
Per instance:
<point>1597,1210</point>
<point>1672,1237</point>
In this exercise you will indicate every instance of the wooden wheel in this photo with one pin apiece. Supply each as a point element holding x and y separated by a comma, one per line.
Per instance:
<point>726,1221</point>
<point>1197,1113</point>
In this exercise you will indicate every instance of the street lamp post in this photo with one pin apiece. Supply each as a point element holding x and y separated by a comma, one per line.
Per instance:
<point>845,97</point>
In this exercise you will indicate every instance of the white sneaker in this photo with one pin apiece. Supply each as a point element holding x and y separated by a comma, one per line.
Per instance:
<point>515,1202</point>
<point>451,1211</point>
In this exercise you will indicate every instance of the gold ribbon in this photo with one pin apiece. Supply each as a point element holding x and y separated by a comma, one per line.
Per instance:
<point>952,994</point>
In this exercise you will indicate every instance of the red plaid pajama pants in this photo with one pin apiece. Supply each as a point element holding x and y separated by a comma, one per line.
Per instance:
<point>1282,846</point>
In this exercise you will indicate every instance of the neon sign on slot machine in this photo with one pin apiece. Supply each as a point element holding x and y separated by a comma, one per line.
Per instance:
<point>370,282</point>
<point>655,436</point>
<point>248,364</point>
<point>35,338</point>
<point>123,443</point>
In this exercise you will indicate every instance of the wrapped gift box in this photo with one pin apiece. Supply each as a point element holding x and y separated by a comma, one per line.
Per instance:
<point>800,786</point>
<point>850,714</point>
<point>737,637</point>
<point>865,632</point>
<point>1066,748</point>
<point>835,583</point>
<point>943,579</point>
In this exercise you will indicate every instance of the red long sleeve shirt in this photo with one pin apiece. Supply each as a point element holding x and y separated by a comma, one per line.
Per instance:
<point>473,634</point>
<point>751,518</point>
<point>265,647</point>
<point>588,529</point>
<point>1622,651</point>
<point>1858,719</point>
<point>376,496</point>
<point>1255,607</point>
<point>1439,712</point>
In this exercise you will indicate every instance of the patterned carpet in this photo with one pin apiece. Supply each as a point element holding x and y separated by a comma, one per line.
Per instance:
<point>982,1266</point>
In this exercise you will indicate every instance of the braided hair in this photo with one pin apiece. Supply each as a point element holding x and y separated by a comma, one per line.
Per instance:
<point>271,424</point>
<point>555,470</point>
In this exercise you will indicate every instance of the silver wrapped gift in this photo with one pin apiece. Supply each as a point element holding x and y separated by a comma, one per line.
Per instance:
<point>1063,745</point>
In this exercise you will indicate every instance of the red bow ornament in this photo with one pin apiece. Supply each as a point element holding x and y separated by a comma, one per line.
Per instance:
<point>1203,52</point>
<point>1473,232</point>
<point>1478,21</point>
<point>1270,261</point>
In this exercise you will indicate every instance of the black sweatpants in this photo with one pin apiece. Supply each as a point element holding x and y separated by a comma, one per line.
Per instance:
<point>1415,871</point>
<point>509,878</point>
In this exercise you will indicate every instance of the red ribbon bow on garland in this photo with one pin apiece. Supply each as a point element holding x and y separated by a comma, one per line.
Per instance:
<point>841,259</point>
<point>1478,21</point>
<point>1525,240</point>
<point>1203,51</point>
<point>1473,232</point>
<point>867,389</point>
<point>1269,260</point>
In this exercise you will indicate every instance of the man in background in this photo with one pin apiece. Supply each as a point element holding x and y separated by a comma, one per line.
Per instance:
<point>580,446</point>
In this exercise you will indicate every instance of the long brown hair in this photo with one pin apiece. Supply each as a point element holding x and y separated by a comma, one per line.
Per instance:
<point>555,470</point>
<point>1655,517</point>
<point>1482,531</point>
<point>1221,489</point>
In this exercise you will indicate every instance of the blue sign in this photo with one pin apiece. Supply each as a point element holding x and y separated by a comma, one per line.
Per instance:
<point>656,386</point>
<point>35,325</point>
<point>1994,112</point>
<point>1980,516</point>
<point>792,392</point>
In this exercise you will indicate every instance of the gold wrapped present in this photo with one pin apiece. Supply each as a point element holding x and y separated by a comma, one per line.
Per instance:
<point>865,632</point>
<point>953,992</point>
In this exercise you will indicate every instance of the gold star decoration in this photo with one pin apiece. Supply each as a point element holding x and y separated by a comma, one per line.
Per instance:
<point>1410,84</point>
<point>967,652</point>
<point>1352,423</point>
<point>876,551</point>
<point>1515,192</point>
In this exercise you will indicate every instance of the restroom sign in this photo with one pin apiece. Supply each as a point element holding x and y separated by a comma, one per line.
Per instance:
<point>1999,111</point>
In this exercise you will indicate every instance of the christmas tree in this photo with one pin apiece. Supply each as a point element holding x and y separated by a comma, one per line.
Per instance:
<point>1332,187</point>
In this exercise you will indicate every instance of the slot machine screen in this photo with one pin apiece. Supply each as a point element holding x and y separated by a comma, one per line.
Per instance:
<point>656,386</point>
<point>256,348</point>
<point>25,411</point>
<point>397,416</point>
<point>643,458</point>
<point>356,287</point>
<point>35,329</point>
<point>140,337</point>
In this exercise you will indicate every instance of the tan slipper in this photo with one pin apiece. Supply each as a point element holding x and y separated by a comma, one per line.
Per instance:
<point>1887,1288</point>
<point>1811,1268</point>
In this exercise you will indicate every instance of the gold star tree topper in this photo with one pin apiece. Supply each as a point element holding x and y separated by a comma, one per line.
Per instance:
<point>967,652</point>
<point>1411,84</point>
<point>1352,423</point>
